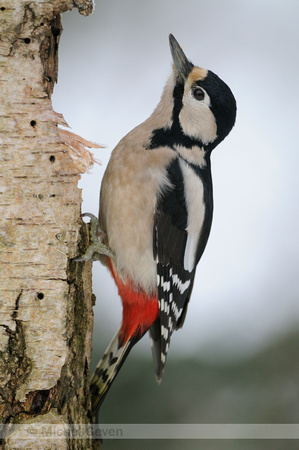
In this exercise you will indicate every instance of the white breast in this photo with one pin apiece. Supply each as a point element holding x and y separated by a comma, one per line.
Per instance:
<point>131,185</point>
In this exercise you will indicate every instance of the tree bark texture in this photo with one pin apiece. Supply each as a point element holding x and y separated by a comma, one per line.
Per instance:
<point>46,300</point>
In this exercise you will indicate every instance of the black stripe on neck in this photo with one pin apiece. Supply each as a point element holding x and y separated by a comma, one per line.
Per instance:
<point>168,137</point>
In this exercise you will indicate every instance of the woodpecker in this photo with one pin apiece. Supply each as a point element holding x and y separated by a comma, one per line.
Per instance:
<point>155,215</point>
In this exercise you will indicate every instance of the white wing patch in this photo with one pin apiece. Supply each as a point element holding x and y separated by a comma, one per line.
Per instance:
<point>196,213</point>
<point>190,250</point>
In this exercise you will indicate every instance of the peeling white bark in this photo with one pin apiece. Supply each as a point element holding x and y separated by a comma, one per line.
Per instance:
<point>45,302</point>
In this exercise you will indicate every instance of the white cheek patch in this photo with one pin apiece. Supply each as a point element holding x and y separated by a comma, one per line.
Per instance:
<point>196,213</point>
<point>196,118</point>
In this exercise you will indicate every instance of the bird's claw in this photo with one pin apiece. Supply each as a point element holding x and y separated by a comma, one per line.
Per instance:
<point>96,248</point>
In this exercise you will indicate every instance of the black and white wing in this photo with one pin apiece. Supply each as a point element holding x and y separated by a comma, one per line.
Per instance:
<point>181,229</point>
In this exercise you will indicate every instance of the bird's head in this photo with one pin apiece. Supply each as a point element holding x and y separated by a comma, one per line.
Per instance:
<point>204,108</point>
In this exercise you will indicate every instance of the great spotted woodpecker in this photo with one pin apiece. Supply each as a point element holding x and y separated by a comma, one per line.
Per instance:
<point>156,206</point>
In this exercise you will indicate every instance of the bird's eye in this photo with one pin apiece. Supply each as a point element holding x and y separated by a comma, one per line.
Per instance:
<point>198,93</point>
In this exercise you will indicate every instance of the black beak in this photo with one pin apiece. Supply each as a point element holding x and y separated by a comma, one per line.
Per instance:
<point>182,66</point>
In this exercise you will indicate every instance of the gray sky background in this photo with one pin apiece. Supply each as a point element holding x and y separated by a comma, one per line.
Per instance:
<point>112,69</point>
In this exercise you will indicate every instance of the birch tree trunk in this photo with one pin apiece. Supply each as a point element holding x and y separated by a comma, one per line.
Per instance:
<point>45,299</point>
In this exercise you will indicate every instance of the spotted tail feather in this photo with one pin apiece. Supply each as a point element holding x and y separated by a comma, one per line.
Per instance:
<point>107,369</point>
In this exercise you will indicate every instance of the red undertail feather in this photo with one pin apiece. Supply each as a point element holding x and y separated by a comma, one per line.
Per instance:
<point>140,310</point>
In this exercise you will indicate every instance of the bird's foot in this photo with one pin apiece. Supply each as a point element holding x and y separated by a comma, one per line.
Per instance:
<point>96,248</point>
